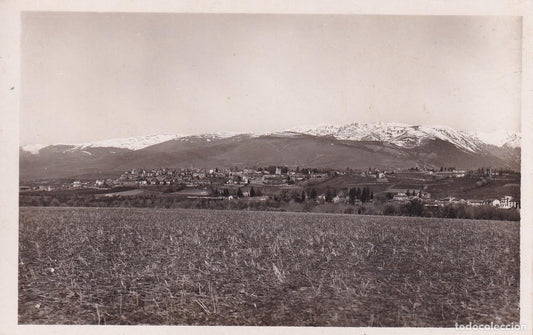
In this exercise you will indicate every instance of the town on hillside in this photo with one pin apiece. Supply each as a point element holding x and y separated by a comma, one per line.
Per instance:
<point>432,187</point>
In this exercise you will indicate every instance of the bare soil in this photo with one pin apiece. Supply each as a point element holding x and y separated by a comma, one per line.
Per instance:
<point>201,267</point>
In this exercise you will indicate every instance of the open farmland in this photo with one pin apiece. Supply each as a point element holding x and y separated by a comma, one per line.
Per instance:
<point>199,267</point>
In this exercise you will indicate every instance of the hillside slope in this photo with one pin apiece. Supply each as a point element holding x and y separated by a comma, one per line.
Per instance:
<point>250,150</point>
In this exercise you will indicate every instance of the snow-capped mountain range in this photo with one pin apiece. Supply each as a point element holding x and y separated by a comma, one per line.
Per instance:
<point>403,135</point>
<point>355,145</point>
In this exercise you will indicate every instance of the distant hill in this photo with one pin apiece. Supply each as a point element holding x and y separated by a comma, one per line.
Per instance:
<point>289,148</point>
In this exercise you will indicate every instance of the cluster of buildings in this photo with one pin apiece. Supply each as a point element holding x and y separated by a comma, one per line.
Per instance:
<point>191,178</point>
<point>203,177</point>
<point>407,195</point>
<point>506,202</point>
<point>404,195</point>
<point>379,175</point>
<point>195,178</point>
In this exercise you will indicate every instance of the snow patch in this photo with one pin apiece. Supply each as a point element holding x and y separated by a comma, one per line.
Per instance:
<point>131,143</point>
<point>34,148</point>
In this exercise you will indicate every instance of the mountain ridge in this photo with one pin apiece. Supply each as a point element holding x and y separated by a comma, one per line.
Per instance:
<point>358,146</point>
<point>411,135</point>
<point>400,134</point>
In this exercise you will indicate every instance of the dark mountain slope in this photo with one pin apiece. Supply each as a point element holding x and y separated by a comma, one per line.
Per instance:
<point>247,150</point>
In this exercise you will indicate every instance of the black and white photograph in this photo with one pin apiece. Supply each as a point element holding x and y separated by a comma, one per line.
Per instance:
<point>266,169</point>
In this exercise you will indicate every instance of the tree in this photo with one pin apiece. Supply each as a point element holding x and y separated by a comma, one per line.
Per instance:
<point>252,192</point>
<point>226,192</point>
<point>239,193</point>
<point>296,196</point>
<point>285,196</point>
<point>313,194</point>
<point>413,208</point>
<point>352,194</point>
<point>365,196</point>
<point>329,196</point>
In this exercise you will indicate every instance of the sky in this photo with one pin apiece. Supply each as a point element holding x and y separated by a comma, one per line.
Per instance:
<point>93,76</point>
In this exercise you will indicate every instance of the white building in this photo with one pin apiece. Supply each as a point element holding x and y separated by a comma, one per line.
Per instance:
<point>507,202</point>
